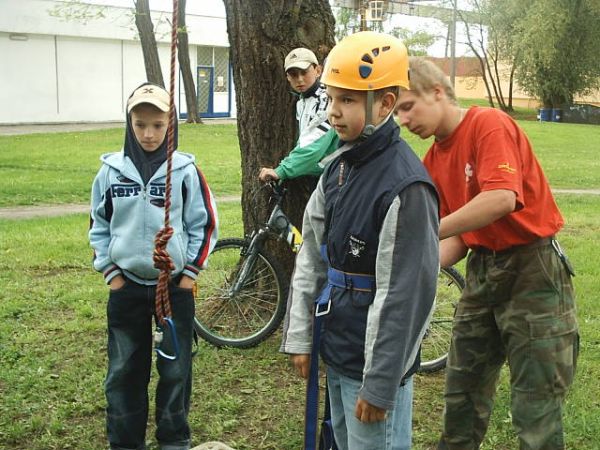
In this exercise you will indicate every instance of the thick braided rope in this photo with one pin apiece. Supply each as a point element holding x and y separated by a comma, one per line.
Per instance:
<point>162,259</point>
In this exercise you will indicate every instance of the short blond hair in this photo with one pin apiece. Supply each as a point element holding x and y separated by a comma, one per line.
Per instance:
<point>425,75</point>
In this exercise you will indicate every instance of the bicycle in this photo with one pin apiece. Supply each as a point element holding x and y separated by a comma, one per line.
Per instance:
<point>241,297</point>
<point>436,342</point>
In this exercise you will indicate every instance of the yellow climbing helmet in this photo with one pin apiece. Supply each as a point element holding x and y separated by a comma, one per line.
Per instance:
<point>367,61</point>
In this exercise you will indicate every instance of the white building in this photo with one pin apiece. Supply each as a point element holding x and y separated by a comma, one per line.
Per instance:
<point>54,70</point>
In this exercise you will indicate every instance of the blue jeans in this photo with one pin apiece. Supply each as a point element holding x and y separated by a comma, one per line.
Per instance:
<point>393,433</point>
<point>130,312</point>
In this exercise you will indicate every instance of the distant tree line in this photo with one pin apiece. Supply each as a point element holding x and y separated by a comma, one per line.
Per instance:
<point>549,46</point>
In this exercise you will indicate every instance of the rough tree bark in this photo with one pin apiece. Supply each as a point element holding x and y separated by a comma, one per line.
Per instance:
<point>143,22</point>
<point>261,33</point>
<point>183,56</point>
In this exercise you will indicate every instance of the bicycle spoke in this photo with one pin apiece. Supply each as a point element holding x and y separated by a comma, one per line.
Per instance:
<point>246,316</point>
<point>436,341</point>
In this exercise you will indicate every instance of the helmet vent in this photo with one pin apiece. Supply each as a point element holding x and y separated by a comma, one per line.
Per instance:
<point>367,58</point>
<point>386,48</point>
<point>375,52</point>
<point>364,71</point>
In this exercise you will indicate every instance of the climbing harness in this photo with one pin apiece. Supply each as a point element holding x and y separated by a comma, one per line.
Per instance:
<point>343,280</point>
<point>162,259</point>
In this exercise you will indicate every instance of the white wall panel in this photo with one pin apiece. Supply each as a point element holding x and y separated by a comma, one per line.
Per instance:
<point>207,26</point>
<point>54,70</point>
<point>28,79</point>
<point>89,79</point>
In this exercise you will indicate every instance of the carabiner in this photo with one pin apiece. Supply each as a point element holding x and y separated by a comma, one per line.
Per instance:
<point>158,339</point>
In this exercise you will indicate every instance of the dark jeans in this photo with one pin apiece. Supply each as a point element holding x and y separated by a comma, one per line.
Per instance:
<point>130,346</point>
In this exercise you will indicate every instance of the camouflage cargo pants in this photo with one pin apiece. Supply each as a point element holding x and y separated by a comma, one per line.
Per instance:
<point>517,305</point>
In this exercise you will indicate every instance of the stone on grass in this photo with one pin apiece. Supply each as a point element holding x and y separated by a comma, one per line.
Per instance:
<point>213,446</point>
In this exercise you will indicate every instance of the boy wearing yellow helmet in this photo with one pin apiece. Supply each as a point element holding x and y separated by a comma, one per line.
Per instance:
<point>370,253</point>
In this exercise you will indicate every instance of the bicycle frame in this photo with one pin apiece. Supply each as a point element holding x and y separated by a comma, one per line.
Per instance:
<point>279,225</point>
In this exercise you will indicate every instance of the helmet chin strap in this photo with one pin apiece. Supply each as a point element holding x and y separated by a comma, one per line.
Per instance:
<point>369,128</point>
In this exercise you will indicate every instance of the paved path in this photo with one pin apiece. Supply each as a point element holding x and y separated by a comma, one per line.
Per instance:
<point>9,130</point>
<point>27,212</point>
<point>577,191</point>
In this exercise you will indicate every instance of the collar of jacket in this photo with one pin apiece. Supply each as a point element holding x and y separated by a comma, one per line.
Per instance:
<point>363,151</point>
<point>311,92</point>
<point>123,164</point>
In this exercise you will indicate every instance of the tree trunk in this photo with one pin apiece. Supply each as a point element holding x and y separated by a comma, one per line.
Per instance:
<point>183,56</point>
<point>511,85</point>
<point>495,79</point>
<point>143,22</point>
<point>261,33</point>
<point>482,63</point>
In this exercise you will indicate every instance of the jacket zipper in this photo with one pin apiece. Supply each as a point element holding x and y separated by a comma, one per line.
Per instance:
<point>341,185</point>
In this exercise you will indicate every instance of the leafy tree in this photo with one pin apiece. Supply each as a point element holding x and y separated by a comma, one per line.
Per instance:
<point>348,21</point>
<point>261,33</point>
<point>503,39</point>
<point>558,49</point>
<point>78,10</point>
<point>489,29</point>
<point>417,42</point>
<point>550,47</point>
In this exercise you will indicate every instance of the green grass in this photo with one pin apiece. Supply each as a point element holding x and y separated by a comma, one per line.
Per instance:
<point>52,306</point>
<point>59,167</point>
<point>52,352</point>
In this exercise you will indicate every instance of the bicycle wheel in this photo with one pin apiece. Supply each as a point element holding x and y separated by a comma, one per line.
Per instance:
<point>247,317</point>
<point>435,345</point>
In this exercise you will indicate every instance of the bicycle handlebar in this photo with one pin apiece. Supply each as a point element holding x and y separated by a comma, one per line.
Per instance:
<point>278,189</point>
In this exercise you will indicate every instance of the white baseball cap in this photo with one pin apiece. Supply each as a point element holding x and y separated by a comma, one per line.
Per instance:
<point>301,58</point>
<point>149,93</point>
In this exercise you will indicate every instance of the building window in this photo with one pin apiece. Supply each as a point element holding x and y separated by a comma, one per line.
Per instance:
<point>221,69</point>
<point>218,59</point>
<point>205,56</point>
<point>375,11</point>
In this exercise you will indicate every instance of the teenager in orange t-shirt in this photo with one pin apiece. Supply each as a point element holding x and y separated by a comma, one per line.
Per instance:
<point>518,304</point>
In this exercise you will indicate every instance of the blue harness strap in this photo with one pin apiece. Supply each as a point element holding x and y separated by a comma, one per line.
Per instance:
<point>344,280</point>
<point>350,281</point>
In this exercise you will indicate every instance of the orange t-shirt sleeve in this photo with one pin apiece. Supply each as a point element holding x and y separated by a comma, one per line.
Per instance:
<point>499,164</point>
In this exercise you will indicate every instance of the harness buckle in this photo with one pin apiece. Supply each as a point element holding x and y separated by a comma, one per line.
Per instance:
<point>320,312</point>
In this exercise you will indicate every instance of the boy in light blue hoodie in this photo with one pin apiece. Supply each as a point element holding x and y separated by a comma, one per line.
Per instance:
<point>127,211</point>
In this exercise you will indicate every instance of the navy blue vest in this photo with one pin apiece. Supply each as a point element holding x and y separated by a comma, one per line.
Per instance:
<point>360,186</point>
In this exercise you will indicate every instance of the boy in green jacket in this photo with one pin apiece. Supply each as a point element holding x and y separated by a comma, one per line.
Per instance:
<point>316,138</point>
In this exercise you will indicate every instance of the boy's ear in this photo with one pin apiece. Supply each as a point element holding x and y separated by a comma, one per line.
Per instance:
<point>438,92</point>
<point>388,103</point>
<point>319,69</point>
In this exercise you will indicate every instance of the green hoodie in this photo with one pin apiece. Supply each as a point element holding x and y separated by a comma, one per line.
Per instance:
<point>305,160</point>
